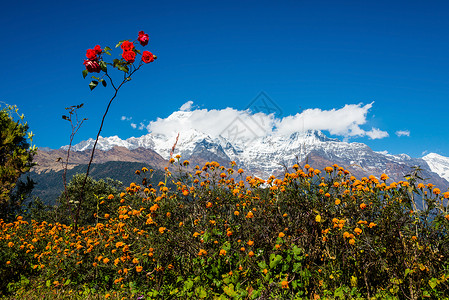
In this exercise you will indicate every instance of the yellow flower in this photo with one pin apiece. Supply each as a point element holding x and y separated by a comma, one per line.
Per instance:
<point>318,218</point>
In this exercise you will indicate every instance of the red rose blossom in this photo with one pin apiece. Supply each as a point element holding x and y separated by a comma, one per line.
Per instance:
<point>127,46</point>
<point>98,49</point>
<point>143,38</point>
<point>129,56</point>
<point>91,54</point>
<point>92,66</point>
<point>147,57</point>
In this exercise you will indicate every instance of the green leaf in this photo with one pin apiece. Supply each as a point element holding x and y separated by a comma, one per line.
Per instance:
<point>201,292</point>
<point>433,282</point>
<point>95,77</point>
<point>107,52</point>
<point>107,49</point>
<point>93,84</point>
<point>85,72</point>
<point>188,285</point>
<point>275,261</point>
<point>229,290</point>
<point>103,66</point>
<point>67,282</point>
<point>48,283</point>
<point>103,82</point>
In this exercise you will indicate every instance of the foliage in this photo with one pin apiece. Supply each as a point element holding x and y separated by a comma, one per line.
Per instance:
<point>16,157</point>
<point>220,234</point>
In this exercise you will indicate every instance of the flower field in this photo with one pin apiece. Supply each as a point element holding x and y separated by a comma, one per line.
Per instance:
<point>212,232</point>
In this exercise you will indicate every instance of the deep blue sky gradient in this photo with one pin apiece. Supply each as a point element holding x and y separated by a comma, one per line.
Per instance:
<point>303,54</point>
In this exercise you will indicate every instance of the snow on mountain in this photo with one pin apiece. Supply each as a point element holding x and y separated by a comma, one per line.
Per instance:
<point>438,164</point>
<point>269,154</point>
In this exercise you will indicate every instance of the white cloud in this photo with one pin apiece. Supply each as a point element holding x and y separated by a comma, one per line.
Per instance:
<point>186,106</point>
<point>141,126</point>
<point>376,133</point>
<point>125,118</point>
<point>133,125</point>
<point>345,122</point>
<point>403,133</point>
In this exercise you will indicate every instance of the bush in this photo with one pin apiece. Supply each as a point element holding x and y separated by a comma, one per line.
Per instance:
<point>218,233</point>
<point>16,157</point>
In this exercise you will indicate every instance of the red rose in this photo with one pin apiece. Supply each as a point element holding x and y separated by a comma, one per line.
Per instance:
<point>91,54</point>
<point>98,49</point>
<point>129,56</point>
<point>92,66</point>
<point>143,38</point>
<point>127,46</point>
<point>147,57</point>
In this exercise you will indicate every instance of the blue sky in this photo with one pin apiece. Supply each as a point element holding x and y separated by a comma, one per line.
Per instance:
<point>318,55</point>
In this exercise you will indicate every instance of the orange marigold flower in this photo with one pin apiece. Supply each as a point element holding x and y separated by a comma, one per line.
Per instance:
<point>436,191</point>
<point>281,234</point>
<point>383,177</point>
<point>222,252</point>
<point>284,284</point>
<point>209,204</point>
<point>105,260</point>
<point>242,249</point>
<point>202,252</point>
<point>346,234</point>
<point>446,195</point>
<point>135,260</point>
<point>250,215</point>
<point>250,243</point>
<point>447,217</point>
<point>250,253</point>
<point>337,201</point>
<point>352,241</point>
<point>371,225</point>
<point>10,244</point>
<point>236,213</point>
<point>139,268</point>
<point>358,230</point>
<point>161,230</point>
<point>110,197</point>
<point>8,262</point>
<point>363,206</point>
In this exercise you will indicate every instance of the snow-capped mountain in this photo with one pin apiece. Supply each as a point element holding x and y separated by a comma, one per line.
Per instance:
<point>438,164</point>
<point>266,155</point>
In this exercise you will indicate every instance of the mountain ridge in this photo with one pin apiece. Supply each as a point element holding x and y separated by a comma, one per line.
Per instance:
<point>265,155</point>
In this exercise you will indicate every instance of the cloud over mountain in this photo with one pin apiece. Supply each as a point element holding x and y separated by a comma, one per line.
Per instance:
<point>346,122</point>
